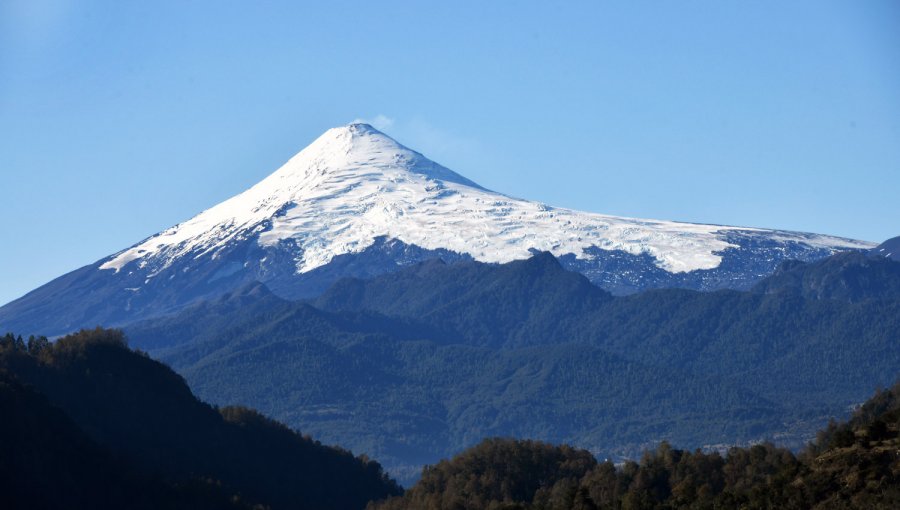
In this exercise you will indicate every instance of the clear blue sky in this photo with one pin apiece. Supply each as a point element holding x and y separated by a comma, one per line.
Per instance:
<point>119,119</point>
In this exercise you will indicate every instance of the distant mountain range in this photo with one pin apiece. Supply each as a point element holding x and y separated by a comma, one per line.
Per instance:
<point>357,203</point>
<point>415,365</point>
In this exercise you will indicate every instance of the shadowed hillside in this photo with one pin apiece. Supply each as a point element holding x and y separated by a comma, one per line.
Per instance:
<point>94,407</point>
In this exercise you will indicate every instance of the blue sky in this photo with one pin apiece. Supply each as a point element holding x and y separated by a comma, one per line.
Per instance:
<point>119,119</point>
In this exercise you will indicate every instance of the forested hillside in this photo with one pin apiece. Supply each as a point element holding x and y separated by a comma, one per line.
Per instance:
<point>416,365</point>
<point>853,277</point>
<point>854,465</point>
<point>89,423</point>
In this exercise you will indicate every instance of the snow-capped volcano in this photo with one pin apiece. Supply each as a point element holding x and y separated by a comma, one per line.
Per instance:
<point>358,203</point>
<point>355,184</point>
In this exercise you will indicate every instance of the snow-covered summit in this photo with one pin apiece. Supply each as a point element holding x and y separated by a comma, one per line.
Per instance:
<point>355,184</point>
<point>356,203</point>
<point>359,146</point>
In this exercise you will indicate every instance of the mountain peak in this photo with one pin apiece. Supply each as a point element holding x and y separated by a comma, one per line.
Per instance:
<point>355,130</point>
<point>354,184</point>
<point>360,149</point>
<point>359,198</point>
<point>360,128</point>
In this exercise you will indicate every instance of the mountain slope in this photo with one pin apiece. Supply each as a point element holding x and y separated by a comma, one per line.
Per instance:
<point>357,203</point>
<point>889,248</point>
<point>144,416</point>
<point>416,364</point>
<point>769,339</point>
<point>48,462</point>
<point>852,277</point>
<point>410,402</point>
<point>510,304</point>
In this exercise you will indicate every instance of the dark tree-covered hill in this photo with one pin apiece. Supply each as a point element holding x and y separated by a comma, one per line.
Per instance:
<point>48,462</point>
<point>889,249</point>
<point>852,277</point>
<point>533,301</point>
<point>86,405</point>
<point>854,465</point>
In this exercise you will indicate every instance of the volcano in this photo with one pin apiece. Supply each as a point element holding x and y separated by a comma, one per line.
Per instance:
<point>357,203</point>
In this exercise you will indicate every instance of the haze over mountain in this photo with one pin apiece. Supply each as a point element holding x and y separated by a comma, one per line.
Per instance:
<point>358,203</point>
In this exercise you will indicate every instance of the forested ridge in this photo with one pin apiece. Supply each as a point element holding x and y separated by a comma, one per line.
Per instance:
<point>852,465</point>
<point>71,440</point>
<point>418,364</point>
<point>88,423</point>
